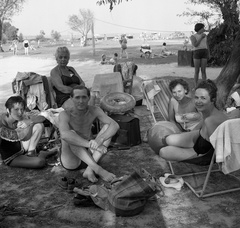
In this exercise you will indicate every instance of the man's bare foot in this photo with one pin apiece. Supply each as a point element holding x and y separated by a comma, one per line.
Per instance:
<point>89,174</point>
<point>105,175</point>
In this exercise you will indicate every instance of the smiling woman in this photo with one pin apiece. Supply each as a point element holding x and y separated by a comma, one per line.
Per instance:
<point>189,145</point>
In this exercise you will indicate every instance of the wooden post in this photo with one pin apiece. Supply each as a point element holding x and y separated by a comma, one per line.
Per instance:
<point>93,39</point>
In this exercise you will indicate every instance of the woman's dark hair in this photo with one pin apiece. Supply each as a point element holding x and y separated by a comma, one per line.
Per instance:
<point>198,27</point>
<point>15,100</point>
<point>176,82</point>
<point>211,87</point>
<point>80,87</point>
<point>164,44</point>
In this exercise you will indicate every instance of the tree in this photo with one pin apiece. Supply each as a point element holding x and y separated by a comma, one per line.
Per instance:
<point>224,44</point>
<point>110,2</point>
<point>41,35</point>
<point>8,8</point>
<point>82,23</point>
<point>55,35</point>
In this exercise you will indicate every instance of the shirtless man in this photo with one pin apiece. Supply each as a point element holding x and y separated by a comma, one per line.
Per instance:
<point>78,145</point>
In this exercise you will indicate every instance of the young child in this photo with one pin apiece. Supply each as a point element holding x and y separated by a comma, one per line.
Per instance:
<point>103,59</point>
<point>114,59</point>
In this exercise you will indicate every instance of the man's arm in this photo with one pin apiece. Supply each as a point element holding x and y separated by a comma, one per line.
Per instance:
<point>67,134</point>
<point>111,130</point>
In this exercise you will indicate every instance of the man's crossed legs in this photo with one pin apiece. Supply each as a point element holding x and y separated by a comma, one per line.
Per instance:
<point>72,156</point>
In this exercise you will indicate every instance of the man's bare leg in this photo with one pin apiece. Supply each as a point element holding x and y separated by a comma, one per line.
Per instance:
<point>89,173</point>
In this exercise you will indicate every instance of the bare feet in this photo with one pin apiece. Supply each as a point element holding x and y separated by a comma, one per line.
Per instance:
<point>105,175</point>
<point>89,174</point>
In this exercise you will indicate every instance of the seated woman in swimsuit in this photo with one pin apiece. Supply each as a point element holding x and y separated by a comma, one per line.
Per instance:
<point>189,145</point>
<point>64,77</point>
<point>181,109</point>
<point>19,136</point>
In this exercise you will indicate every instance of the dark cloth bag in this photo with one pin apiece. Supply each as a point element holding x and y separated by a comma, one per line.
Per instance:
<point>129,132</point>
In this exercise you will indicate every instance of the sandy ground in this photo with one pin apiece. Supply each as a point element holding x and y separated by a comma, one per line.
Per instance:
<point>87,69</point>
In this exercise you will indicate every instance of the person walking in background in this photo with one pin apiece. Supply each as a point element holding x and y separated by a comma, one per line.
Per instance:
<point>200,51</point>
<point>26,46</point>
<point>123,42</point>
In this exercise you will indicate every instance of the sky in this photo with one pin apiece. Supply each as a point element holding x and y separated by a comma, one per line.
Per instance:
<point>129,17</point>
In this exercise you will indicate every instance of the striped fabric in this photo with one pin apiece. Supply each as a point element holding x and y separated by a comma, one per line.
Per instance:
<point>157,93</point>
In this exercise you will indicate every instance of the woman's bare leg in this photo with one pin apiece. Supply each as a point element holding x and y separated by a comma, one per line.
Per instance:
<point>197,64</point>
<point>31,144</point>
<point>203,68</point>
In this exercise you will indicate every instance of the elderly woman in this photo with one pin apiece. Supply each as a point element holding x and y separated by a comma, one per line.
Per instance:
<point>64,77</point>
<point>181,109</point>
<point>188,145</point>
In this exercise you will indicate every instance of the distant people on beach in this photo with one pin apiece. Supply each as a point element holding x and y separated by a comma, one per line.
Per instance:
<point>165,52</point>
<point>64,77</point>
<point>112,61</point>
<point>123,43</point>
<point>14,47</point>
<point>26,46</point>
<point>200,51</point>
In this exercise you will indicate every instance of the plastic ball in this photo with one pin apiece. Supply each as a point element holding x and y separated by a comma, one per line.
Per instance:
<point>157,133</point>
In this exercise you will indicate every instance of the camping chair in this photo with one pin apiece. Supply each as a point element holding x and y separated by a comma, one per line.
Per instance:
<point>160,97</point>
<point>127,71</point>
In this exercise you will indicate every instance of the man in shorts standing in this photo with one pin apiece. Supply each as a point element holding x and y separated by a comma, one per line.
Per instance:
<point>79,148</point>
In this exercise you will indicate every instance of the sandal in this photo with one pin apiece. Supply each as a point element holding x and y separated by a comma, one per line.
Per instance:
<point>172,181</point>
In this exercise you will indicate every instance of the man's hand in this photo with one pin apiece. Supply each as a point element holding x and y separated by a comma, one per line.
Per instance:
<point>93,144</point>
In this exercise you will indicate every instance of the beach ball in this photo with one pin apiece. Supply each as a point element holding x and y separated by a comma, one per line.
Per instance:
<point>157,133</point>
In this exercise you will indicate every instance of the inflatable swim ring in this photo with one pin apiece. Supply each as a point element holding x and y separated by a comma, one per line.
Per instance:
<point>117,102</point>
<point>157,133</point>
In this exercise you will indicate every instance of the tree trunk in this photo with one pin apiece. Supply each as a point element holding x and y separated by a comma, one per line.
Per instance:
<point>1,32</point>
<point>93,39</point>
<point>229,74</point>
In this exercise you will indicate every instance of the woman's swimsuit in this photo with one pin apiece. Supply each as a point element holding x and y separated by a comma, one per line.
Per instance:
<point>188,121</point>
<point>67,81</point>
<point>202,146</point>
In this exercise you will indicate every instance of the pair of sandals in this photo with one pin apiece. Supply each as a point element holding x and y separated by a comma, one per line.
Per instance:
<point>172,181</point>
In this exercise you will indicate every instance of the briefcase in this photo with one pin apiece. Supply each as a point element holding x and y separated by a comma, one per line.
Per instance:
<point>129,132</point>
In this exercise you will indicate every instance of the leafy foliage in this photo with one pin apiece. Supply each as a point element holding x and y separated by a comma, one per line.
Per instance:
<point>82,22</point>
<point>55,35</point>
<point>110,2</point>
<point>8,8</point>
<point>223,29</point>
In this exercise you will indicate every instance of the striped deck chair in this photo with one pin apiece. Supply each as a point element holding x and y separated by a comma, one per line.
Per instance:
<point>157,92</point>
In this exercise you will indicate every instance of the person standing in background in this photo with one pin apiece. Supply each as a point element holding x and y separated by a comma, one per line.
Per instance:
<point>123,42</point>
<point>26,46</point>
<point>200,51</point>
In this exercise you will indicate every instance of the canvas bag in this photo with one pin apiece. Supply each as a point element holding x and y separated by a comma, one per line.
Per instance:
<point>130,193</point>
<point>125,196</point>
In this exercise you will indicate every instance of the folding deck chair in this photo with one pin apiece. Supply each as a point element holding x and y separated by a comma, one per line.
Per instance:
<point>160,98</point>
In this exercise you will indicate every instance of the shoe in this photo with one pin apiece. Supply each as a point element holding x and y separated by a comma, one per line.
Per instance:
<point>83,201</point>
<point>172,181</point>
<point>71,184</point>
<point>63,183</point>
